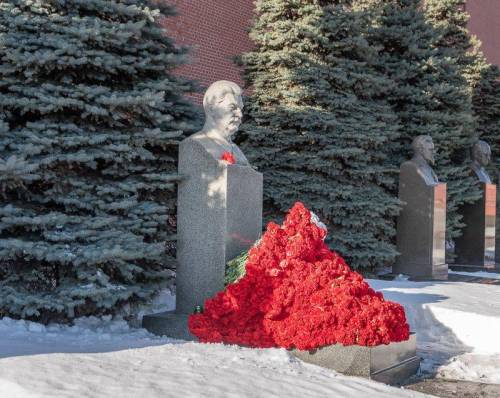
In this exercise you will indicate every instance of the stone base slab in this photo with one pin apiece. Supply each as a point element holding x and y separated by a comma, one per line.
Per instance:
<point>168,324</point>
<point>390,364</point>
<point>475,268</point>
<point>441,276</point>
<point>420,272</point>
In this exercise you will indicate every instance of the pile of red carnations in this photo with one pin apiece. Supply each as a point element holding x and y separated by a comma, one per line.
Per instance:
<point>297,293</point>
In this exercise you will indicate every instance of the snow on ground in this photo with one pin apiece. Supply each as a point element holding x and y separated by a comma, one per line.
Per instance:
<point>105,358</point>
<point>88,335</point>
<point>457,325</point>
<point>477,274</point>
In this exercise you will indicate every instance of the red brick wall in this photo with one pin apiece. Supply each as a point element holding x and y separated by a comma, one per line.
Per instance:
<point>485,24</point>
<point>218,30</point>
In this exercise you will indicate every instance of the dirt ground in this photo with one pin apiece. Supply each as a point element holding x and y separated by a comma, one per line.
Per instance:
<point>455,388</point>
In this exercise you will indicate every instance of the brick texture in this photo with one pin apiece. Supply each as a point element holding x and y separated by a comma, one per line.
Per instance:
<point>218,31</point>
<point>485,24</point>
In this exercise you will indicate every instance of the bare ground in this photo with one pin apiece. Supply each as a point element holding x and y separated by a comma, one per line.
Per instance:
<point>455,388</point>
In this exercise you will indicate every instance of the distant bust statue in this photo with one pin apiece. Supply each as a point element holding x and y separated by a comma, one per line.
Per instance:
<point>423,158</point>
<point>481,155</point>
<point>223,107</point>
<point>421,227</point>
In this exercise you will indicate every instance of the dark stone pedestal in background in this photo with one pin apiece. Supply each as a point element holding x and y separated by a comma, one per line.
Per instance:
<point>497,236</point>
<point>476,246</point>
<point>421,226</point>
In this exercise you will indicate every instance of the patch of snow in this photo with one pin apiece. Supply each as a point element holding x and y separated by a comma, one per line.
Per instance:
<point>163,301</point>
<point>481,368</point>
<point>14,390</point>
<point>172,369</point>
<point>92,334</point>
<point>478,274</point>
<point>457,326</point>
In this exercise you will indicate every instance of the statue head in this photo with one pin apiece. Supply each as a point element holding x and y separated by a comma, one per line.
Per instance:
<point>223,107</point>
<point>481,153</point>
<point>423,145</point>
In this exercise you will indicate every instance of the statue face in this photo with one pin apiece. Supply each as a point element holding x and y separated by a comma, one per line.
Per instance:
<point>427,150</point>
<point>227,114</point>
<point>483,155</point>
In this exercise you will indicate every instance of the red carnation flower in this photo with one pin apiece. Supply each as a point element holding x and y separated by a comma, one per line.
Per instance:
<point>297,293</point>
<point>228,157</point>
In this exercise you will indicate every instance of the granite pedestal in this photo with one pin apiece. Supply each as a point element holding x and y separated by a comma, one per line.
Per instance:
<point>497,235</point>
<point>169,324</point>
<point>390,364</point>
<point>421,227</point>
<point>476,246</point>
<point>219,216</point>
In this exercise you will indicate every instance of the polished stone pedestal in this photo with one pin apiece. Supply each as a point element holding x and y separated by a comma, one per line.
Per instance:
<point>476,246</point>
<point>219,216</point>
<point>168,324</point>
<point>421,227</point>
<point>497,235</point>
<point>391,364</point>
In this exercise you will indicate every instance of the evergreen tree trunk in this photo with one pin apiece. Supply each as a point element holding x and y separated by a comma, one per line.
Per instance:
<point>90,120</point>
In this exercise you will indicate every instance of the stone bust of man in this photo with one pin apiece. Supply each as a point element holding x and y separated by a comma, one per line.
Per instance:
<point>423,158</point>
<point>223,108</point>
<point>481,155</point>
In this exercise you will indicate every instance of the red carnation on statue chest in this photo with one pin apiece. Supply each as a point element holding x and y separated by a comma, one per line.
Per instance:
<point>228,157</point>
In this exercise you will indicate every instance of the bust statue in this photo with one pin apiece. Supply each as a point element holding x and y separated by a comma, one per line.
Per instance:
<point>476,246</point>
<point>421,227</point>
<point>219,205</point>
<point>423,158</point>
<point>481,155</point>
<point>223,108</point>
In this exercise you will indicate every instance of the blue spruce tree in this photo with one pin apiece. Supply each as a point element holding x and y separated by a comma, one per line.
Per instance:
<point>318,125</point>
<point>430,95</point>
<point>483,78</point>
<point>451,18</point>
<point>90,120</point>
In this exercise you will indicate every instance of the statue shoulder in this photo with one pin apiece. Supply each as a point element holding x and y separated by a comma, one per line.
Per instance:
<point>480,173</point>
<point>196,146</point>
<point>200,140</point>
<point>411,170</point>
<point>198,137</point>
<point>410,165</point>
